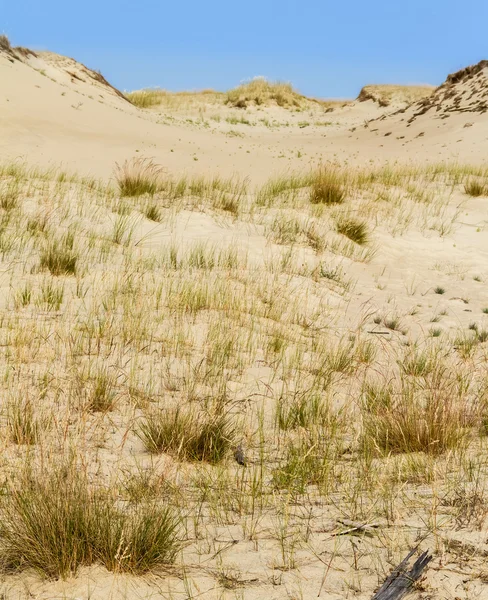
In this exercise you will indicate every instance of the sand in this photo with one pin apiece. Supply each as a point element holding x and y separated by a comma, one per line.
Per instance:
<point>56,113</point>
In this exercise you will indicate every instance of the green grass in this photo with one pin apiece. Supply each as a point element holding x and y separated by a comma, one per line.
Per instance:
<point>327,187</point>
<point>353,228</point>
<point>187,435</point>
<point>59,255</point>
<point>54,522</point>
<point>475,188</point>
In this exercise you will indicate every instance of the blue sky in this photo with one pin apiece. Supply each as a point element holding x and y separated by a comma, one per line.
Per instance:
<point>325,48</point>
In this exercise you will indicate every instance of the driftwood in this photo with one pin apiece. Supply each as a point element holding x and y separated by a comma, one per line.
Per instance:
<point>401,580</point>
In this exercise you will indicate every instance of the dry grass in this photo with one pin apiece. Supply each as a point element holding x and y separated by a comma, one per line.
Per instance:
<point>385,95</point>
<point>261,92</point>
<point>202,315</point>
<point>138,176</point>
<point>188,435</point>
<point>475,188</point>
<point>54,522</point>
<point>328,187</point>
<point>174,100</point>
<point>4,43</point>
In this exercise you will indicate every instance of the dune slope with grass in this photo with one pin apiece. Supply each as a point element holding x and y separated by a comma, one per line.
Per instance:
<point>243,344</point>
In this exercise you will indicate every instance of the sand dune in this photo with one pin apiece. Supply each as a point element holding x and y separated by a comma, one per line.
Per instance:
<point>54,110</point>
<point>294,282</point>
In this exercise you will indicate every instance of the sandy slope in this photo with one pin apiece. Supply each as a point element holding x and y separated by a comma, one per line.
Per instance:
<point>53,110</point>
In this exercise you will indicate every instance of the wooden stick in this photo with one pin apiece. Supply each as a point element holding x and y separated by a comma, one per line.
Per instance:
<point>400,580</point>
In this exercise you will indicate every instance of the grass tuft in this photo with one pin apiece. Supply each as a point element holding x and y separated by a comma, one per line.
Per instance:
<point>354,229</point>
<point>5,43</point>
<point>475,188</point>
<point>138,176</point>
<point>187,435</point>
<point>59,256</point>
<point>259,91</point>
<point>54,522</point>
<point>327,187</point>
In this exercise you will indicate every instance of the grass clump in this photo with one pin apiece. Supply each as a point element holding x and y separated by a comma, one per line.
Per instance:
<point>54,522</point>
<point>427,417</point>
<point>22,424</point>
<point>5,43</point>
<point>59,256</point>
<point>138,176</point>
<point>145,98</point>
<point>187,435</point>
<point>354,229</point>
<point>475,188</point>
<point>327,187</point>
<point>259,91</point>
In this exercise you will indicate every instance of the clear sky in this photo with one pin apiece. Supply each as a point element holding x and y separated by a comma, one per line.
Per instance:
<point>325,48</point>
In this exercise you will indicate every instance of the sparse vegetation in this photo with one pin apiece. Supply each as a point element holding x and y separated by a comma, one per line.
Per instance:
<point>59,255</point>
<point>237,359</point>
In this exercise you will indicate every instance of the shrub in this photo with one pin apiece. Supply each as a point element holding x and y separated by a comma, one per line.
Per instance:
<point>354,229</point>
<point>138,176</point>
<point>187,434</point>
<point>327,188</point>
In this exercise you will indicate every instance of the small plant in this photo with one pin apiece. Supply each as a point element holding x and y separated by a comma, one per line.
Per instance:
<point>9,196</point>
<point>50,296</point>
<point>102,395</point>
<point>416,420</point>
<point>307,461</point>
<point>5,43</point>
<point>435,332</point>
<point>152,212</point>
<point>485,310</point>
<point>302,410</point>
<point>22,424</point>
<point>417,364</point>
<point>392,323</point>
<point>475,188</point>
<point>327,187</point>
<point>59,256</point>
<point>138,176</point>
<point>439,290</point>
<point>354,229</point>
<point>482,335</point>
<point>187,435</point>
<point>23,296</point>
